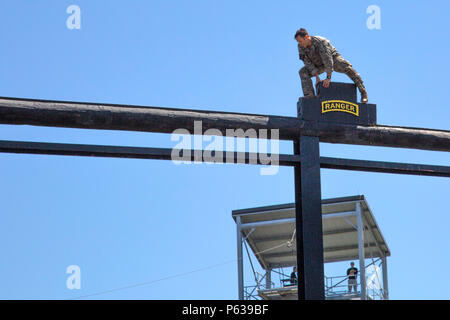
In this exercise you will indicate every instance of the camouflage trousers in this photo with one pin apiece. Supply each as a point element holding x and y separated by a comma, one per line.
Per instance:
<point>339,65</point>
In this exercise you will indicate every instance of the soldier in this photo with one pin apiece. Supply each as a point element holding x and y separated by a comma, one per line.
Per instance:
<point>320,56</point>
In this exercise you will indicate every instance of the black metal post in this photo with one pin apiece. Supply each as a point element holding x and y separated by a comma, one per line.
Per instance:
<point>308,214</point>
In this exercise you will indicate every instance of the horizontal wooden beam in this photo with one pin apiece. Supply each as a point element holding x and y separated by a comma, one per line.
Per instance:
<point>166,120</point>
<point>384,167</point>
<point>46,148</point>
<point>68,149</point>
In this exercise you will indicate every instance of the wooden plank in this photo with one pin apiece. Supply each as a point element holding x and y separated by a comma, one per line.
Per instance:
<point>28,147</point>
<point>166,120</point>
<point>385,167</point>
<point>67,149</point>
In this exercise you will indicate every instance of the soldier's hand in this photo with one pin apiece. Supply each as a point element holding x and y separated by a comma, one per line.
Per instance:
<point>326,83</point>
<point>317,81</point>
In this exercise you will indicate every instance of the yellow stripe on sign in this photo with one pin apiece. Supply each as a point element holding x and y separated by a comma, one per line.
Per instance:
<point>340,105</point>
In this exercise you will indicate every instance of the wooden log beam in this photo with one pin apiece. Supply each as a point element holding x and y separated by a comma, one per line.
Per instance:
<point>165,120</point>
<point>68,149</point>
<point>89,150</point>
<point>385,167</point>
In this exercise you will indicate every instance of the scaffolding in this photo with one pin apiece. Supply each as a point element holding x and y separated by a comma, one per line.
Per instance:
<point>350,232</point>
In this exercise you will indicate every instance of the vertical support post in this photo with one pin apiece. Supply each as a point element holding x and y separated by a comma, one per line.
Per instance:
<point>362,267</point>
<point>385,278</point>
<point>308,214</point>
<point>240,262</point>
<point>268,278</point>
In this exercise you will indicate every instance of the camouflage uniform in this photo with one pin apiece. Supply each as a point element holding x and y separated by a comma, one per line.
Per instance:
<point>321,57</point>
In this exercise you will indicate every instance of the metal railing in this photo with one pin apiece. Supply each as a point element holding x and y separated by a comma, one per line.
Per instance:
<point>373,293</point>
<point>335,287</point>
<point>338,286</point>
<point>251,292</point>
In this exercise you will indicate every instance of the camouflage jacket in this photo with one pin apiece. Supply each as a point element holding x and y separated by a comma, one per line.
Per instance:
<point>319,54</point>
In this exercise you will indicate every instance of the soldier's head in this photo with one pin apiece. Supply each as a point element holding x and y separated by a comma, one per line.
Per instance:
<point>302,37</point>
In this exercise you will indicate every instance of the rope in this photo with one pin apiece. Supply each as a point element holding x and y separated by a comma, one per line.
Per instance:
<point>172,276</point>
<point>251,264</point>
<point>154,281</point>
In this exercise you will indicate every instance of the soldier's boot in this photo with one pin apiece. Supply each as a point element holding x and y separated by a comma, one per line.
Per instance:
<point>363,92</point>
<point>359,83</point>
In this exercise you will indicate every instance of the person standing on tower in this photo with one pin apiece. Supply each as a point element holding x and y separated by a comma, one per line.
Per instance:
<point>352,273</point>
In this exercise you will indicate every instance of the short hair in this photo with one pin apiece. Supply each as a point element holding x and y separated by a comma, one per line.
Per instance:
<point>301,32</point>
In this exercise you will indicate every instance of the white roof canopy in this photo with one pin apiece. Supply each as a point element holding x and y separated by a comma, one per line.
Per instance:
<point>269,230</point>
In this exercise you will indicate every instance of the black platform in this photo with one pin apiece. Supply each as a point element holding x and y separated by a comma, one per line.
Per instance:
<point>337,104</point>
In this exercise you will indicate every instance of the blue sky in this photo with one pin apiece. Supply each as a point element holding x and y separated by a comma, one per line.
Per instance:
<point>127,222</point>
